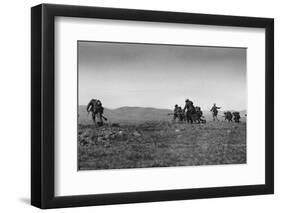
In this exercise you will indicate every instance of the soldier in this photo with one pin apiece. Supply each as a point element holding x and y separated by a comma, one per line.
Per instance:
<point>190,109</point>
<point>175,112</point>
<point>96,108</point>
<point>188,105</point>
<point>228,116</point>
<point>215,112</point>
<point>236,117</point>
<point>180,114</point>
<point>199,111</point>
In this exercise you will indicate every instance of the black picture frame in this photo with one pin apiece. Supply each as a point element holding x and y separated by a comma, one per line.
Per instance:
<point>43,117</point>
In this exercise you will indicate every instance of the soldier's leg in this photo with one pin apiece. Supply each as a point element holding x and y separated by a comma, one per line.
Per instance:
<point>191,119</point>
<point>216,115</point>
<point>94,117</point>
<point>187,117</point>
<point>101,120</point>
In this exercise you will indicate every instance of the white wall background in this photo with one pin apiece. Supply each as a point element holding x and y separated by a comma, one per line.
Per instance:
<point>15,105</point>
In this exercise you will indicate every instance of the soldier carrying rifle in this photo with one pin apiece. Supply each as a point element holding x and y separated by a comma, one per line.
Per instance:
<point>214,110</point>
<point>96,109</point>
<point>178,113</point>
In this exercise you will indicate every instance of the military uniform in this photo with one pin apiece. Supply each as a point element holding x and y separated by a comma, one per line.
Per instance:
<point>236,117</point>
<point>188,106</point>
<point>175,112</point>
<point>228,116</point>
<point>96,108</point>
<point>199,111</point>
<point>180,114</point>
<point>190,110</point>
<point>215,111</point>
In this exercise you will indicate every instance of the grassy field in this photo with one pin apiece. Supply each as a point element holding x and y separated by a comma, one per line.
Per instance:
<point>160,144</point>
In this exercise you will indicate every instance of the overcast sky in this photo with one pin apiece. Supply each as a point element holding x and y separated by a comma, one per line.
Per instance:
<point>122,74</point>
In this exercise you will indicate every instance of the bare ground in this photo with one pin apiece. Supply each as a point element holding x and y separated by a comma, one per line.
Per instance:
<point>160,144</point>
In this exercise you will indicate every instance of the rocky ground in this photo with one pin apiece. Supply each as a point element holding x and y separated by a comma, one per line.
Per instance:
<point>160,144</point>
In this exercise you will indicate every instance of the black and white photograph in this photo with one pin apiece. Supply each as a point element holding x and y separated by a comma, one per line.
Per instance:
<point>148,104</point>
<point>144,105</point>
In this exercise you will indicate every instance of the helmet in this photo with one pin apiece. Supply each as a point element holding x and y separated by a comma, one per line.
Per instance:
<point>176,105</point>
<point>186,100</point>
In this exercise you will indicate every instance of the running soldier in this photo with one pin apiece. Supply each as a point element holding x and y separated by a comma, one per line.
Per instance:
<point>214,110</point>
<point>236,117</point>
<point>96,109</point>
<point>228,116</point>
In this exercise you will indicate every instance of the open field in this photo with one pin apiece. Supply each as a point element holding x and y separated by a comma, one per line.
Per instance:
<point>160,144</point>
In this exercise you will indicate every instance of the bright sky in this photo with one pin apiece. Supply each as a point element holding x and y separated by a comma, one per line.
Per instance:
<point>160,76</point>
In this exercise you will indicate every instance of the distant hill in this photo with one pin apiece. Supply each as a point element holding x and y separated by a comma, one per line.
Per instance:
<point>138,114</point>
<point>128,114</point>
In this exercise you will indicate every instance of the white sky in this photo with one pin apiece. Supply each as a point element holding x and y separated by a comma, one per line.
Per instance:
<point>160,76</point>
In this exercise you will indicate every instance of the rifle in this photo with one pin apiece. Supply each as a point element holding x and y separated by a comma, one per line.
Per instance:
<point>101,116</point>
<point>170,114</point>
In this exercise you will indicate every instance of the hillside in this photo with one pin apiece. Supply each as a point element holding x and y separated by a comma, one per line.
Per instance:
<point>137,114</point>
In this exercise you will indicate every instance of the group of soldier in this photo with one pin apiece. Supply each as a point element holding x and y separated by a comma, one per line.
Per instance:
<point>191,113</point>
<point>235,115</point>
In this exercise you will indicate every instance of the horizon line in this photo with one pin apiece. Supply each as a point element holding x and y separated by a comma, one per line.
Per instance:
<point>160,108</point>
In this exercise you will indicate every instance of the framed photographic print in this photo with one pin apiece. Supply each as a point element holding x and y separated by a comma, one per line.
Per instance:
<point>139,106</point>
